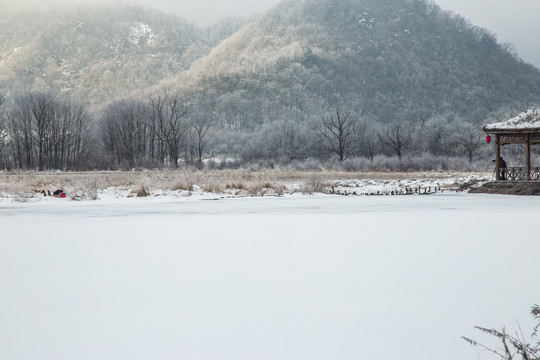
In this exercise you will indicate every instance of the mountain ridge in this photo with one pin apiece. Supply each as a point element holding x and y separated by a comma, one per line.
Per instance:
<point>96,53</point>
<point>392,53</point>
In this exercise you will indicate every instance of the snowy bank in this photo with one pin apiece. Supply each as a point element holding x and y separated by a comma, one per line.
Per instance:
<point>27,187</point>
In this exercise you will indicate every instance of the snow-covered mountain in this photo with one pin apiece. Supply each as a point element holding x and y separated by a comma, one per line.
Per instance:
<point>384,58</point>
<point>98,52</point>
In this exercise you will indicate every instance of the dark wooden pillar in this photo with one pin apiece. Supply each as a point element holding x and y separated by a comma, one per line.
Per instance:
<point>497,158</point>
<point>528,155</point>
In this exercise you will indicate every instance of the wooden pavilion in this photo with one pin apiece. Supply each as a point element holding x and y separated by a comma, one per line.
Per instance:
<point>523,129</point>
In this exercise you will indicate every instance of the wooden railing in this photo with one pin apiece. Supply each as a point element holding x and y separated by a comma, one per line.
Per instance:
<point>519,174</point>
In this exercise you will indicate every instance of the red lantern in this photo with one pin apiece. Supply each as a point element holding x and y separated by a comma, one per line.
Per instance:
<point>488,139</point>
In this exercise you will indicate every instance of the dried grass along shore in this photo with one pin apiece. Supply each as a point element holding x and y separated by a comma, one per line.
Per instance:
<point>89,185</point>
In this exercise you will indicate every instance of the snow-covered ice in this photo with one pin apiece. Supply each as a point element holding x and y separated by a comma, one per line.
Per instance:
<point>294,277</point>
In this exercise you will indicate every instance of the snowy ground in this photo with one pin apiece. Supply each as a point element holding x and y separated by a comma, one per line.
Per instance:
<point>293,277</point>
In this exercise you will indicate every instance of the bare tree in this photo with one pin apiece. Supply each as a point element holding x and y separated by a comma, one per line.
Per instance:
<point>44,115</point>
<point>46,133</point>
<point>397,138</point>
<point>338,131</point>
<point>3,131</point>
<point>418,118</point>
<point>125,135</point>
<point>168,124</point>
<point>366,133</point>
<point>200,125</point>
<point>469,141</point>
<point>75,136</point>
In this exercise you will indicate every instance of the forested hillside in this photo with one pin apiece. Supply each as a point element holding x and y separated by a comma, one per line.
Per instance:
<point>384,58</point>
<point>97,53</point>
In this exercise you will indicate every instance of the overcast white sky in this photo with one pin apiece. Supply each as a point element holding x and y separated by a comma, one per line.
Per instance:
<point>514,21</point>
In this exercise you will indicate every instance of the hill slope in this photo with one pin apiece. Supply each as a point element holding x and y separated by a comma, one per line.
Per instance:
<point>95,53</point>
<point>385,58</point>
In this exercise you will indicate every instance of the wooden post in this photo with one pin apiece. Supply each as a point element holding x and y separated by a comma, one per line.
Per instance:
<point>497,158</point>
<point>528,154</point>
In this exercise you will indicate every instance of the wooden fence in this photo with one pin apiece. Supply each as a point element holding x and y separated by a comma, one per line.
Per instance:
<point>519,174</point>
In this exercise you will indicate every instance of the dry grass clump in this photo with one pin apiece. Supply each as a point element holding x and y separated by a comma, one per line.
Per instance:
<point>212,187</point>
<point>141,191</point>
<point>93,191</point>
<point>315,185</point>
<point>267,189</point>
<point>181,181</point>
<point>236,186</point>
<point>255,186</point>
<point>182,186</point>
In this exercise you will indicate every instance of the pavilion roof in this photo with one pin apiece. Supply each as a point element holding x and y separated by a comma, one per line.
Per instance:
<point>526,122</point>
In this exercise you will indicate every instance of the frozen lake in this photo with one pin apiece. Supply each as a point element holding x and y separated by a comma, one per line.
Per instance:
<point>299,277</point>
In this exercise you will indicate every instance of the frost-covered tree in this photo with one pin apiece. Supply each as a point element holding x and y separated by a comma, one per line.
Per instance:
<point>397,137</point>
<point>47,133</point>
<point>169,124</point>
<point>469,140</point>
<point>338,130</point>
<point>3,131</point>
<point>126,137</point>
<point>200,126</point>
<point>438,135</point>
